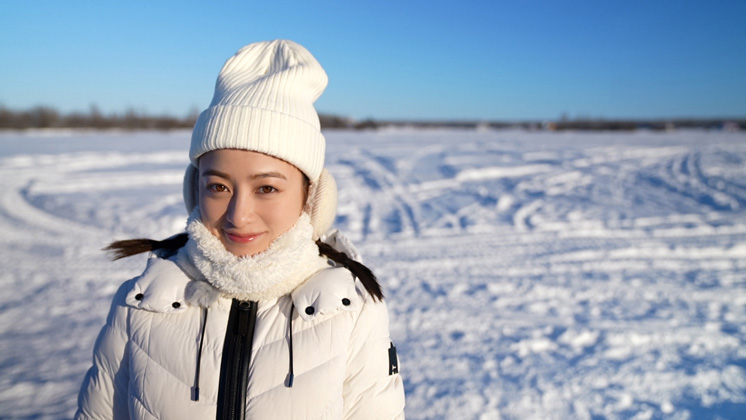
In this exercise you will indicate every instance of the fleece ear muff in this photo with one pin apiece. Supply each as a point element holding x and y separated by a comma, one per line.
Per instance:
<point>322,203</point>
<point>191,194</point>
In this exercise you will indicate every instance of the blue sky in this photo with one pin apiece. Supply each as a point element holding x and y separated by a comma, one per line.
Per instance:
<point>483,60</point>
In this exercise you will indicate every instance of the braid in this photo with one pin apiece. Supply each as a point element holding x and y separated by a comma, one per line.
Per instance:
<point>367,278</point>
<point>130,247</point>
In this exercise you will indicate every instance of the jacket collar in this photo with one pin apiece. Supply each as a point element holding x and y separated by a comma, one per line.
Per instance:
<point>166,286</point>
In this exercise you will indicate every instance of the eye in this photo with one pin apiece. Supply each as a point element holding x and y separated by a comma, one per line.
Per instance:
<point>217,188</point>
<point>266,189</point>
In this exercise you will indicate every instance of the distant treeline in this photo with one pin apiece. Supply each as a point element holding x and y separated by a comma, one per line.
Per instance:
<point>47,117</point>
<point>658,125</point>
<point>728,124</point>
<point>42,117</point>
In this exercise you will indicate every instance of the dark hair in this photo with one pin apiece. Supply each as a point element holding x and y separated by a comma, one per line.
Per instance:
<point>169,246</point>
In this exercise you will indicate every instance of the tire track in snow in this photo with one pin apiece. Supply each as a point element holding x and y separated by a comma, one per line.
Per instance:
<point>388,203</point>
<point>21,217</point>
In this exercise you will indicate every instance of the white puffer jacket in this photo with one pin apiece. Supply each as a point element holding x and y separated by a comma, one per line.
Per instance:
<point>146,357</point>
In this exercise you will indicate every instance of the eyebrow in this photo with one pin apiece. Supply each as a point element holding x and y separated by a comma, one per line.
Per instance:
<point>260,175</point>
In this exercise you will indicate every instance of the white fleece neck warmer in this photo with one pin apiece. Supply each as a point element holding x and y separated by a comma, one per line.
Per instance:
<point>288,261</point>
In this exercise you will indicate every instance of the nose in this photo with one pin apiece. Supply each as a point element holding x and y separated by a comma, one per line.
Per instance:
<point>240,210</point>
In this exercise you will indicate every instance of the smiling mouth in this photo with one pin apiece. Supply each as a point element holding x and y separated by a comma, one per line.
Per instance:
<point>242,239</point>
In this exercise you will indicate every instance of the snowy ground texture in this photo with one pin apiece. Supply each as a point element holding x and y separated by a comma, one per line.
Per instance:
<point>529,275</point>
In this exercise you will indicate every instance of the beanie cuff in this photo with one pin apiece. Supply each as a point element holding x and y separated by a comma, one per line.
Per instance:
<point>261,130</point>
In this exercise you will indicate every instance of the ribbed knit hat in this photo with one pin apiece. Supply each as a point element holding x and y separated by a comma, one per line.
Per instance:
<point>263,102</point>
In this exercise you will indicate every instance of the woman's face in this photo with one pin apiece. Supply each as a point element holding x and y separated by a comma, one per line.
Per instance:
<point>247,199</point>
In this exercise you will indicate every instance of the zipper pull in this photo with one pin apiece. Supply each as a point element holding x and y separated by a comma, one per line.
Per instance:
<point>242,326</point>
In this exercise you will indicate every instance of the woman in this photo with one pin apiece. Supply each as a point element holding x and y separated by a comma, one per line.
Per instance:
<point>249,314</point>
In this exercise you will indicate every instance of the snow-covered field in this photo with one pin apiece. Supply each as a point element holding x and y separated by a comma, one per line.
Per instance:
<point>529,275</point>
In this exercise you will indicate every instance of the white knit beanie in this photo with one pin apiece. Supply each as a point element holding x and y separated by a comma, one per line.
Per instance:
<point>263,102</point>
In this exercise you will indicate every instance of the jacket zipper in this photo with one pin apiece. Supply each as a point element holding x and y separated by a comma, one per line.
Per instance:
<point>234,366</point>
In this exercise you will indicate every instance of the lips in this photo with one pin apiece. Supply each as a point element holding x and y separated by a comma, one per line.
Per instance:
<point>242,238</point>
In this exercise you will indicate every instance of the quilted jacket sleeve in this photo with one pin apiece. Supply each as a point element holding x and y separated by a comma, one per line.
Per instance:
<point>372,389</point>
<point>103,394</point>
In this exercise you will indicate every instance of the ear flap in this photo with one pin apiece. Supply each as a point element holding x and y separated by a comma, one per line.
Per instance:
<point>322,204</point>
<point>191,194</point>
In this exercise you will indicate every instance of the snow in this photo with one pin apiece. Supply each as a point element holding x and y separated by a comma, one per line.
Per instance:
<point>529,275</point>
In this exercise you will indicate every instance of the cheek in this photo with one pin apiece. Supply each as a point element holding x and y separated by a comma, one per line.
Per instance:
<point>300,203</point>
<point>284,214</point>
<point>211,211</point>
<point>287,215</point>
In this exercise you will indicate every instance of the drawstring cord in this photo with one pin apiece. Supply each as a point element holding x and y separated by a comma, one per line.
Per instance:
<point>291,376</point>
<point>195,388</point>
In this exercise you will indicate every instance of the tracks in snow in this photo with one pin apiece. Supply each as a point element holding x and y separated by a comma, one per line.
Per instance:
<point>522,269</point>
